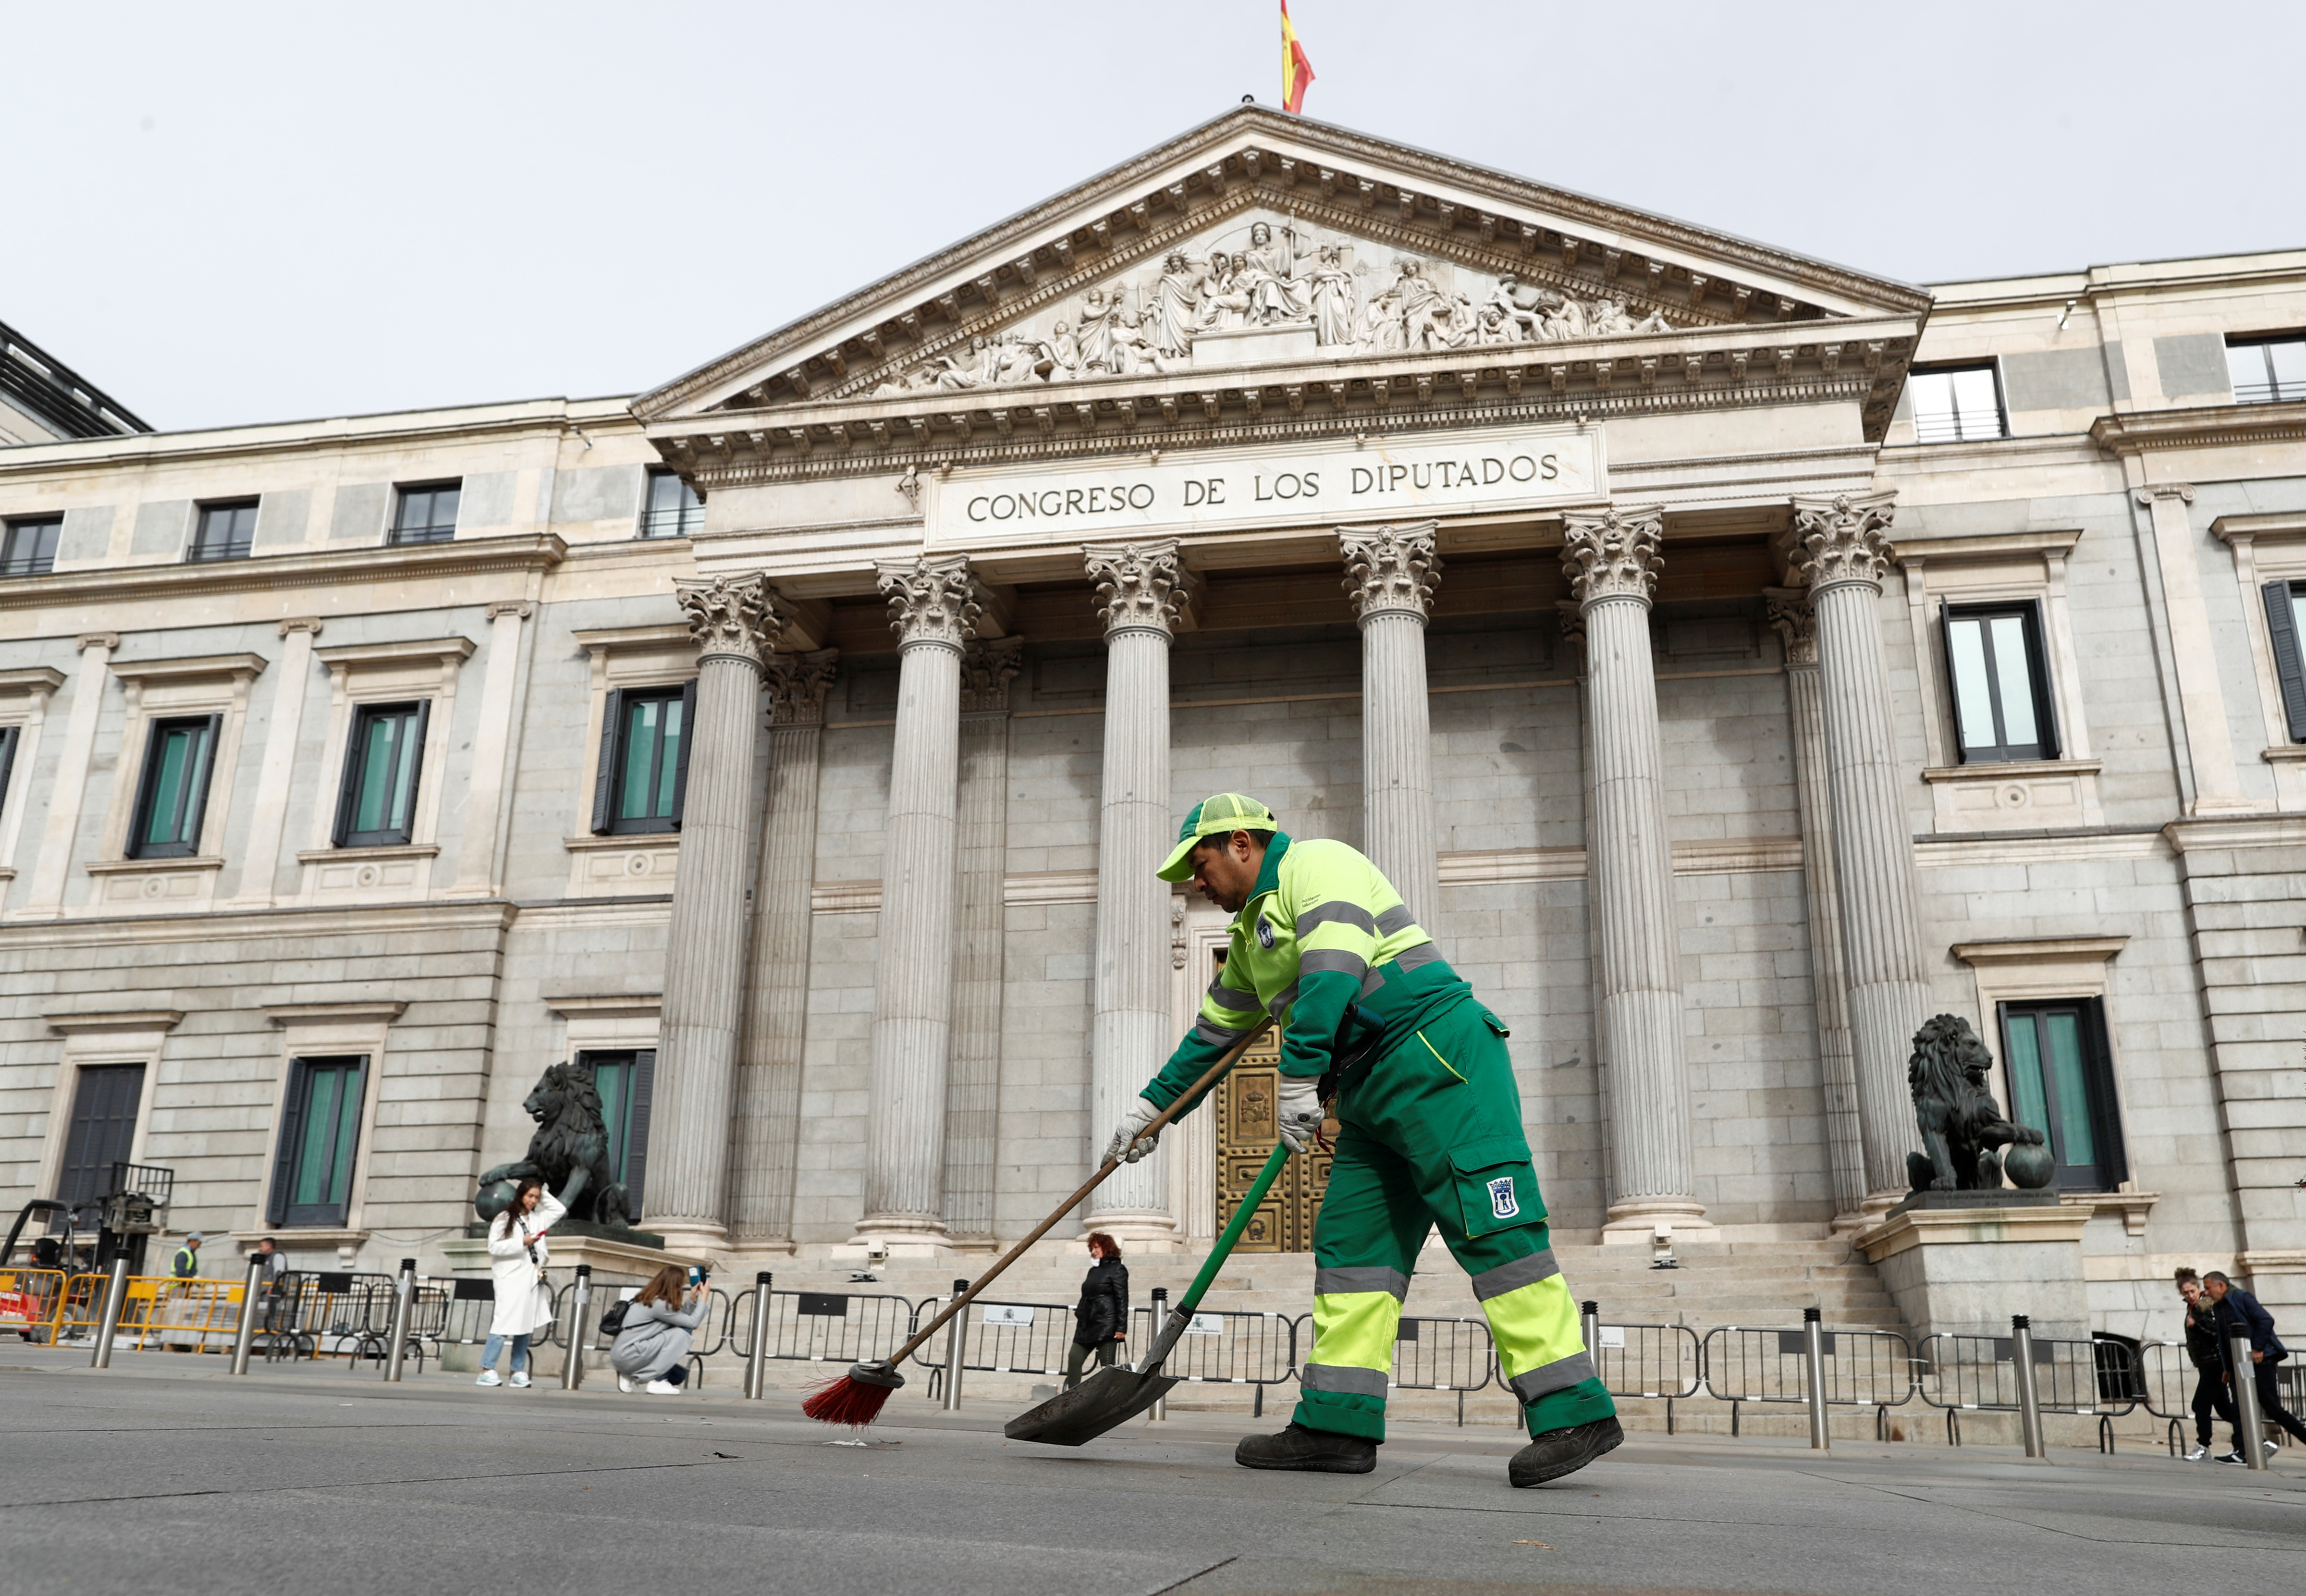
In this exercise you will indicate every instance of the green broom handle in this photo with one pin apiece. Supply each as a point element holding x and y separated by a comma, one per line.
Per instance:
<point>1239,1222</point>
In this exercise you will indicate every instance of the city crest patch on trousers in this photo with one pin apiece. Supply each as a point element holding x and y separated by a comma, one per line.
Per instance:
<point>1501,1198</point>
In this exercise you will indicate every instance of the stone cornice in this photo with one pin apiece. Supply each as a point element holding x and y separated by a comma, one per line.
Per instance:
<point>527,552</point>
<point>1294,161</point>
<point>114,1019</point>
<point>238,667</point>
<point>1862,361</point>
<point>2209,426</point>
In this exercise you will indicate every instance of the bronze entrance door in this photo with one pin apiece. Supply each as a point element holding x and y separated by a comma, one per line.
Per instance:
<point>1246,1135</point>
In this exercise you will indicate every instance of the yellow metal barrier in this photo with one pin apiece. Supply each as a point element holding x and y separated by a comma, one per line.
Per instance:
<point>160,1310</point>
<point>30,1301</point>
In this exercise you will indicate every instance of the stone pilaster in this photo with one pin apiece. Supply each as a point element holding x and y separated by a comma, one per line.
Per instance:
<point>1143,592</point>
<point>496,753</point>
<point>973,1084</point>
<point>736,626</point>
<point>1840,551</point>
<point>1796,623</point>
<point>1612,561</point>
<point>1390,576</point>
<point>934,606</point>
<point>268,826</point>
<point>765,1140</point>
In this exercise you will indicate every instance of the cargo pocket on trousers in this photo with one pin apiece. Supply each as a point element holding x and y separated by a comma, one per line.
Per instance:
<point>1497,1188</point>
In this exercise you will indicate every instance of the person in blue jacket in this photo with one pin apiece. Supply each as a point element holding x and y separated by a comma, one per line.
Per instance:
<point>2237,1313</point>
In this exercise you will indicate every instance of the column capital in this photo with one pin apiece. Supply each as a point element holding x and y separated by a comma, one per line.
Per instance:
<point>988,666</point>
<point>2181,491</point>
<point>1141,586</point>
<point>1843,539</point>
<point>933,601</point>
<point>1790,612</point>
<point>1572,616</point>
<point>1391,570</point>
<point>308,624</point>
<point>1613,555</point>
<point>796,687</point>
<point>107,641</point>
<point>519,609</point>
<point>730,618</point>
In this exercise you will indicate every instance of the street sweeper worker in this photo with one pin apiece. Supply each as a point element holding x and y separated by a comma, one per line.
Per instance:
<point>1429,1133</point>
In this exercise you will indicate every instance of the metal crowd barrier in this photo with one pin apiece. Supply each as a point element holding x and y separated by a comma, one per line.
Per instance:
<point>837,1328</point>
<point>1646,1361</point>
<point>156,1310</point>
<point>1442,1355</point>
<point>330,1313</point>
<point>2166,1375</point>
<point>1226,1348</point>
<point>1979,1374</point>
<point>1002,1339</point>
<point>29,1302</point>
<point>1863,1368</point>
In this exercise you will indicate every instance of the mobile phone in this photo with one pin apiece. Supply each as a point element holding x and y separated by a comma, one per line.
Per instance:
<point>696,1275</point>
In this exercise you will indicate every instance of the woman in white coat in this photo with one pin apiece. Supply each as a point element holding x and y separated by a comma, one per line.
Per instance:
<point>518,1257</point>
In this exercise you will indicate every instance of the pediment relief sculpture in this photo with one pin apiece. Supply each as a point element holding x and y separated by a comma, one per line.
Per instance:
<point>1317,296</point>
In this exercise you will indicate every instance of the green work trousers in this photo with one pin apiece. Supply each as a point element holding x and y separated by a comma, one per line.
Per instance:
<point>1430,1134</point>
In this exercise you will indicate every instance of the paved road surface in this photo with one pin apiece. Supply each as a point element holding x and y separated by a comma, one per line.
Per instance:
<point>151,1478</point>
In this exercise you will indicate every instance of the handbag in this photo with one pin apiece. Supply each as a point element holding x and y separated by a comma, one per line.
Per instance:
<point>612,1322</point>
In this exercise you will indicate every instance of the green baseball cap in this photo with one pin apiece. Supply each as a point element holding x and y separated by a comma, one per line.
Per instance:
<point>1218,817</point>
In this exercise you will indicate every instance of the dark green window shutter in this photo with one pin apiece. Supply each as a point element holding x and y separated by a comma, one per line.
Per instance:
<point>637,1128</point>
<point>284,1156</point>
<point>2289,662</point>
<point>688,741</point>
<point>604,770</point>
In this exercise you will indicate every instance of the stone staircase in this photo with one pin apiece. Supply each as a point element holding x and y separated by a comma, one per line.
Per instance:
<point>1760,1283</point>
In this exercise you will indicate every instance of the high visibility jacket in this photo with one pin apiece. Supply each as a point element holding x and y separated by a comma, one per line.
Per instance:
<point>187,1264</point>
<point>1322,927</point>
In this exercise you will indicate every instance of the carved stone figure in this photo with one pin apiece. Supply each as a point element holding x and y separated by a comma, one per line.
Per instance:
<point>1335,297</point>
<point>1176,305</point>
<point>1267,278</point>
<point>569,1153</point>
<point>1962,1125</point>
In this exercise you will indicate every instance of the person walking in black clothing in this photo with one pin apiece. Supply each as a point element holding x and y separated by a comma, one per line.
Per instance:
<point>1101,1317</point>
<point>2238,1313</point>
<point>2210,1394</point>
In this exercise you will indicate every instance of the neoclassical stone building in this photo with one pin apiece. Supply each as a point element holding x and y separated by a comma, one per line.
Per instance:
<point>1735,660</point>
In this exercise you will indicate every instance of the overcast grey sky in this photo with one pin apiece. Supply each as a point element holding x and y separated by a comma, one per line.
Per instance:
<point>237,213</point>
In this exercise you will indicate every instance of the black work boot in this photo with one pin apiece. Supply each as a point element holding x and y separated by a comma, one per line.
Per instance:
<point>1310,1451</point>
<point>1560,1451</point>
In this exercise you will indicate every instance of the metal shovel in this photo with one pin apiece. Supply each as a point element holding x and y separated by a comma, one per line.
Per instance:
<point>1113,1397</point>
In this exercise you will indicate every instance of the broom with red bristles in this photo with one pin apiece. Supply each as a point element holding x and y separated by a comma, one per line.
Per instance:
<point>855,1398</point>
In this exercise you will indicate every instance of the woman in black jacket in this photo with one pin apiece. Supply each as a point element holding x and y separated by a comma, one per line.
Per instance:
<point>1101,1317</point>
<point>2210,1395</point>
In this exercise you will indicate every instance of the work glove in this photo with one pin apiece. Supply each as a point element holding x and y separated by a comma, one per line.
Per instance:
<point>1124,1145</point>
<point>1299,1111</point>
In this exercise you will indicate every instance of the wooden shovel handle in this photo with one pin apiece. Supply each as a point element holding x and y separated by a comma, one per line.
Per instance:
<point>1208,1080</point>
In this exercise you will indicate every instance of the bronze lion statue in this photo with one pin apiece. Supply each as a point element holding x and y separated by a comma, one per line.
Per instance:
<point>569,1153</point>
<point>1961,1122</point>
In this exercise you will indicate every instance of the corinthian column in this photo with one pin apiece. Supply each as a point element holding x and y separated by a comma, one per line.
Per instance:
<point>1390,575</point>
<point>764,1143</point>
<point>1142,592</point>
<point>934,607</point>
<point>1796,623</point>
<point>1612,561</point>
<point>972,1098</point>
<point>736,626</point>
<point>1839,551</point>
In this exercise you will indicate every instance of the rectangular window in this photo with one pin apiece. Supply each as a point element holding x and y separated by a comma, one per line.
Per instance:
<point>426,514</point>
<point>376,807</point>
<point>2268,370</point>
<point>1956,404</point>
<point>623,1080</point>
<point>225,531</point>
<point>2061,1084</point>
<point>643,774</point>
<point>673,510</point>
<point>172,797</point>
<point>2001,687</point>
<point>29,549</point>
<point>320,1131</point>
<point>2285,627</point>
<point>102,1133</point>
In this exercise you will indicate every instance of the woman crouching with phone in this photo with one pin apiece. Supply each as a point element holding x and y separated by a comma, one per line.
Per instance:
<point>652,1346</point>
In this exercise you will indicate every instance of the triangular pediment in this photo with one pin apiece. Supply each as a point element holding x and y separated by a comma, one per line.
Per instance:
<point>1260,240</point>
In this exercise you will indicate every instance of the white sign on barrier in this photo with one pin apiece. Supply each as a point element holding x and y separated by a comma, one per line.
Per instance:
<point>1007,1313</point>
<point>1207,1324</point>
<point>1613,1335</point>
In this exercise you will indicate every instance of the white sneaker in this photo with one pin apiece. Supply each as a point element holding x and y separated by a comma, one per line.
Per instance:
<point>488,1377</point>
<point>625,1385</point>
<point>519,1378</point>
<point>2197,1454</point>
<point>2271,1448</point>
<point>662,1388</point>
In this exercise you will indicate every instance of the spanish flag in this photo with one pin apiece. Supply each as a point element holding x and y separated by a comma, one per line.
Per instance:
<point>1296,72</point>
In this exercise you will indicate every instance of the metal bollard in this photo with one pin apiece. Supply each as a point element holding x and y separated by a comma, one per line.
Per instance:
<point>956,1345</point>
<point>2029,1399</point>
<point>246,1335</point>
<point>404,1301</point>
<point>2246,1393</point>
<point>1159,1411</point>
<point>572,1366</point>
<point>1589,1325</point>
<point>115,1297</point>
<point>1821,1438</point>
<point>756,1365</point>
